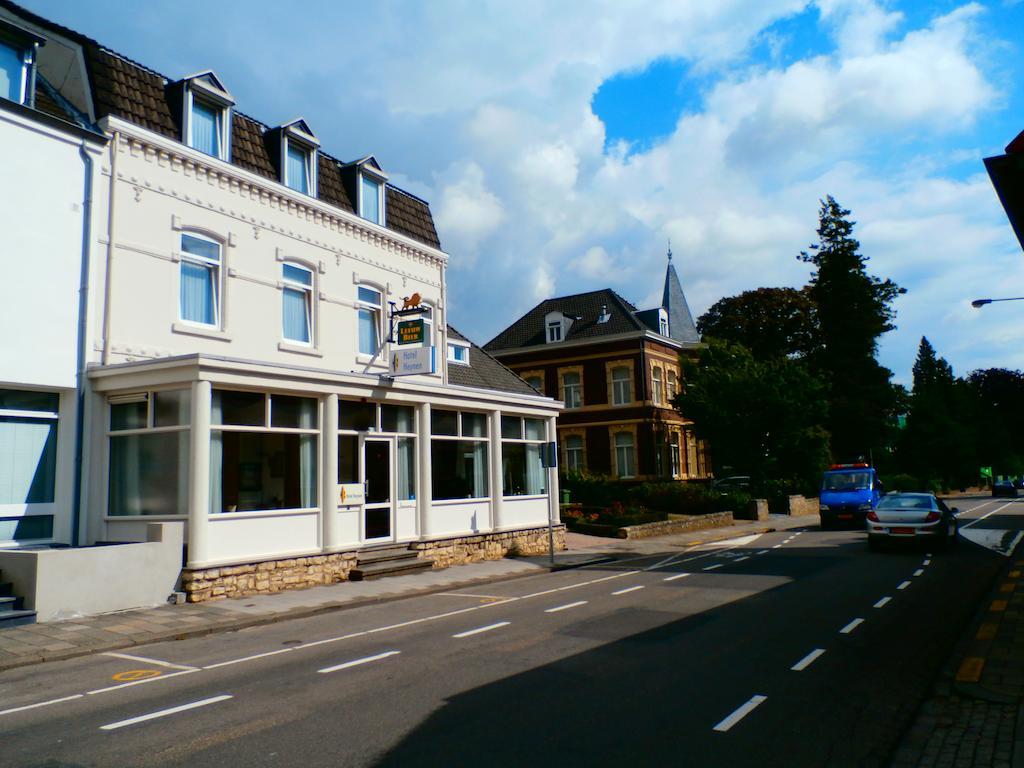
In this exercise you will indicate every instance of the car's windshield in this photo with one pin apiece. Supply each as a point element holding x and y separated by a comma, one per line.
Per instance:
<point>905,502</point>
<point>846,481</point>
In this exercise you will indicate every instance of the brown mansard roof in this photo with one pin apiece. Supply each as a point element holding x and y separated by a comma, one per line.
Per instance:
<point>128,90</point>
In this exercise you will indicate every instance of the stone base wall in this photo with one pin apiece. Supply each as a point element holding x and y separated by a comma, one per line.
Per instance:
<point>757,509</point>
<point>266,578</point>
<point>800,505</point>
<point>677,524</point>
<point>460,550</point>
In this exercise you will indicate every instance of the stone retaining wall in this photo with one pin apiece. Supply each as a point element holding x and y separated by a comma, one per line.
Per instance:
<point>757,509</point>
<point>266,578</point>
<point>800,505</point>
<point>460,550</point>
<point>678,524</point>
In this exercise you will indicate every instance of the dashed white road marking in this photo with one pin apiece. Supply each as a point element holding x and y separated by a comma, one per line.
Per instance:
<point>762,552</point>
<point>12,710</point>
<point>164,713</point>
<point>919,571</point>
<point>904,585</point>
<point>145,660</point>
<point>741,559</point>
<point>807,660</point>
<point>478,630</point>
<point>712,567</point>
<point>776,546</point>
<point>739,714</point>
<point>358,662</point>
<point>565,607</point>
<point>628,589</point>
<point>851,626</point>
<point>881,603</point>
<point>676,576</point>
<point>927,562</point>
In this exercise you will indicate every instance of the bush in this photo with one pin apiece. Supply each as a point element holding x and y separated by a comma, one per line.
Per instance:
<point>592,490</point>
<point>904,482</point>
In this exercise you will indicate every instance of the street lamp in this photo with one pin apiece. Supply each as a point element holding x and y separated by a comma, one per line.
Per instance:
<point>982,302</point>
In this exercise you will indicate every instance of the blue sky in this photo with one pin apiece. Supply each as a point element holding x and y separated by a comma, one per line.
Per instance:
<point>561,145</point>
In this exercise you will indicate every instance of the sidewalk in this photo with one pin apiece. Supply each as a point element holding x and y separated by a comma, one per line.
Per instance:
<point>35,643</point>
<point>975,716</point>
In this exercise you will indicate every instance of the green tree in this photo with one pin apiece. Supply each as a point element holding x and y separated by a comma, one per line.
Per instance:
<point>998,395</point>
<point>762,417</point>
<point>854,309</point>
<point>770,322</point>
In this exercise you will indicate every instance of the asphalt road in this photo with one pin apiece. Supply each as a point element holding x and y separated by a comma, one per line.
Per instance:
<point>797,648</point>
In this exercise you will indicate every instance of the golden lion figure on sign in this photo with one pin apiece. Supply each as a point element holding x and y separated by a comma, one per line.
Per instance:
<point>411,302</point>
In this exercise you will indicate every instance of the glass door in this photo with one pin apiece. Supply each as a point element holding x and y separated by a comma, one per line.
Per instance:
<point>378,509</point>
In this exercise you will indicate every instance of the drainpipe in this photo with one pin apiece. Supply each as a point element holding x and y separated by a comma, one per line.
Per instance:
<point>83,309</point>
<point>443,352</point>
<point>114,144</point>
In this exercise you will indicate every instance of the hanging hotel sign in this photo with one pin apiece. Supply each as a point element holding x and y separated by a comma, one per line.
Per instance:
<point>410,362</point>
<point>411,332</point>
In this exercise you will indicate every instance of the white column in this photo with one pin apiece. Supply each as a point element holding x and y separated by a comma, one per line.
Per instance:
<point>553,473</point>
<point>424,491</point>
<point>494,428</point>
<point>329,474</point>
<point>199,475</point>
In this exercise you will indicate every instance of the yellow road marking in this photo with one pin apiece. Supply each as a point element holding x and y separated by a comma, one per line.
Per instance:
<point>998,605</point>
<point>987,632</point>
<point>970,669</point>
<point>1008,587</point>
<point>135,674</point>
<point>1014,574</point>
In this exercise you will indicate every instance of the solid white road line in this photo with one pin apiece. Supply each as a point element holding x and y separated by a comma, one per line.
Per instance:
<point>357,662</point>
<point>250,658</point>
<point>144,660</point>
<point>119,686</point>
<point>712,567</point>
<point>881,603</point>
<point>12,710</point>
<point>919,571</point>
<point>807,660</point>
<point>987,514</point>
<point>798,533</point>
<point>740,713</point>
<point>478,630</point>
<point>164,713</point>
<point>677,576</point>
<point>851,626</point>
<point>565,607</point>
<point>776,546</point>
<point>628,589</point>
<point>904,585</point>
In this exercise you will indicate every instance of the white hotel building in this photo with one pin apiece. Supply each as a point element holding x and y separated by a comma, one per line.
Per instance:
<point>234,355</point>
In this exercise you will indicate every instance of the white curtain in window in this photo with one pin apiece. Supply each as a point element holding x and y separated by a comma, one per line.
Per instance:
<point>406,468</point>
<point>307,453</point>
<point>205,129</point>
<point>479,469</point>
<point>534,471</point>
<point>368,331</point>
<point>298,172</point>
<point>295,303</point>
<point>198,286</point>
<point>28,460</point>
<point>216,457</point>
<point>11,68</point>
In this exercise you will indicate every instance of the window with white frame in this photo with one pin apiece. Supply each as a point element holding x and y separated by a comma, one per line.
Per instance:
<point>554,331</point>
<point>28,449</point>
<point>658,386</point>
<point>622,385</point>
<point>199,295</point>
<point>297,303</point>
<point>572,389</point>
<point>675,454</point>
<point>371,198</point>
<point>14,72</point>
<point>370,303</point>
<point>663,323</point>
<point>522,441</point>
<point>458,353</point>
<point>207,126</point>
<point>148,467</point>
<point>263,451</point>
<point>427,316</point>
<point>672,385</point>
<point>355,417</point>
<point>624,462</point>
<point>574,452</point>
<point>458,454</point>
<point>298,170</point>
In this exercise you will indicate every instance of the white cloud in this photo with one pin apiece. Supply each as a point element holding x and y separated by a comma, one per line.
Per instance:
<point>467,211</point>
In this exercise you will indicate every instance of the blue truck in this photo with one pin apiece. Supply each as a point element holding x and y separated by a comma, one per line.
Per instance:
<point>848,493</point>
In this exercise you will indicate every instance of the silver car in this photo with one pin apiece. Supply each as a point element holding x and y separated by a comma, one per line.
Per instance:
<point>910,516</point>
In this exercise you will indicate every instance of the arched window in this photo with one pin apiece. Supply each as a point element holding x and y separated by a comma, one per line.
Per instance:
<point>622,386</point>
<point>571,389</point>
<point>574,452</point>
<point>659,387</point>
<point>624,464</point>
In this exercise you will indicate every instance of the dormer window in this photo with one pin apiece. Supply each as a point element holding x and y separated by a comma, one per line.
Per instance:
<point>370,204</point>
<point>207,119</point>
<point>299,157</point>
<point>458,353</point>
<point>663,322</point>
<point>556,326</point>
<point>555,330</point>
<point>17,63</point>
